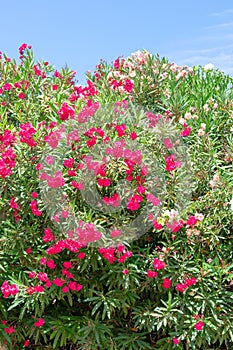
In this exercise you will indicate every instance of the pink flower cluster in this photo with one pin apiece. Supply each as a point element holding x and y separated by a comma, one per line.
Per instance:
<point>15,206</point>
<point>111,254</point>
<point>114,200</point>
<point>8,289</point>
<point>7,155</point>
<point>66,112</point>
<point>188,282</point>
<point>171,164</point>
<point>158,265</point>
<point>34,208</point>
<point>26,133</point>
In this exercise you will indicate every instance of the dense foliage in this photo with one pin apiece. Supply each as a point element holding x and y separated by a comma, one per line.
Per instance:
<point>170,288</point>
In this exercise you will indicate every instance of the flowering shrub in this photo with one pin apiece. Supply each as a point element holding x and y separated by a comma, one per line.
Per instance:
<point>74,276</point>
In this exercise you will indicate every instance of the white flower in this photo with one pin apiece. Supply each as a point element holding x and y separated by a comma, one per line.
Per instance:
<point>206,107</point>
<point>201,132</point>
<point>199,216</point>
<point>172,214</point>
<point>208,66</point>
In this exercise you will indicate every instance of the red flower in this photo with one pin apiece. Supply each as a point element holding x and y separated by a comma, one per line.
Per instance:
<point>171,164</point>
<point>21,95</point>
<point>159,264</point>
<point>120,129</point>
<point>181,287</point>
<point>51,264</point>
<point>166,283</point>
<point>39,323</point>
<point>133,206</point>
<point>28,250</point>
<point>77,185</point>
<point>133,135</point>
<point>156,225</point>
<point>191,221</point>
<point>26,342</point>
<point>22,48</point>
<point>104,182</point>
<point>68,264</point>
<point>128,86</point>
<point>185,132</point>
<point>9,330</point>
<point>199,325</point>
<point>175,341</point>
<point>152,274</point>
<point>113,201</point>
<point>7,87</point>
<point>81,255</point>
<point>34,194</point>
<point>65,111</point>
<point>58,282</point>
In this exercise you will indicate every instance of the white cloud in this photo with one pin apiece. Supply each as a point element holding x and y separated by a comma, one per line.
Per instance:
<point>222,13</point>
<point>220,25</point>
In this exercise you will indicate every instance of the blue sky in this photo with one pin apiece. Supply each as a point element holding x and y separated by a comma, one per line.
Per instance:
<point>80,33</point>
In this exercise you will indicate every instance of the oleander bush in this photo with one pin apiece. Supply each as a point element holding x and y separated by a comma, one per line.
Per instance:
<point>115,205</point>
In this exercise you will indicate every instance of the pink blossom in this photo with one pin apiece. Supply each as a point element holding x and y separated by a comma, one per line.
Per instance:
<point>7,87</point>
<point>58,282</point>
<point>78,186</point>
<point>158,264</point>
<point>115,233</point>
<point>152,199</point>
<point>104,182</point>
<point>34,194</point>
<point>56,181</point>
<point>168,143</point>
<point>51,264</point>
<point>113,201</point>
<point>156,225</point>
<point>68,264</point>
<point>65,111</point>
<point>171,164</point>
<point>9,330</point>
<point>75,286</point>
<point>49,160</point>
<point>120,129</point>
<point>21,95</point>
<point>152,274</point>
<point>167,283</point>
<point>22,48</point>
<point>81,255</point>
<point>199,325</point>
<point>39,323</point>
<point>8,289</point>
<point>175,341</point>
<point>186,132</point>
<point>175,226</point>
<point>192,220</point>
<point>133,135</point>
<point>26,342</point>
